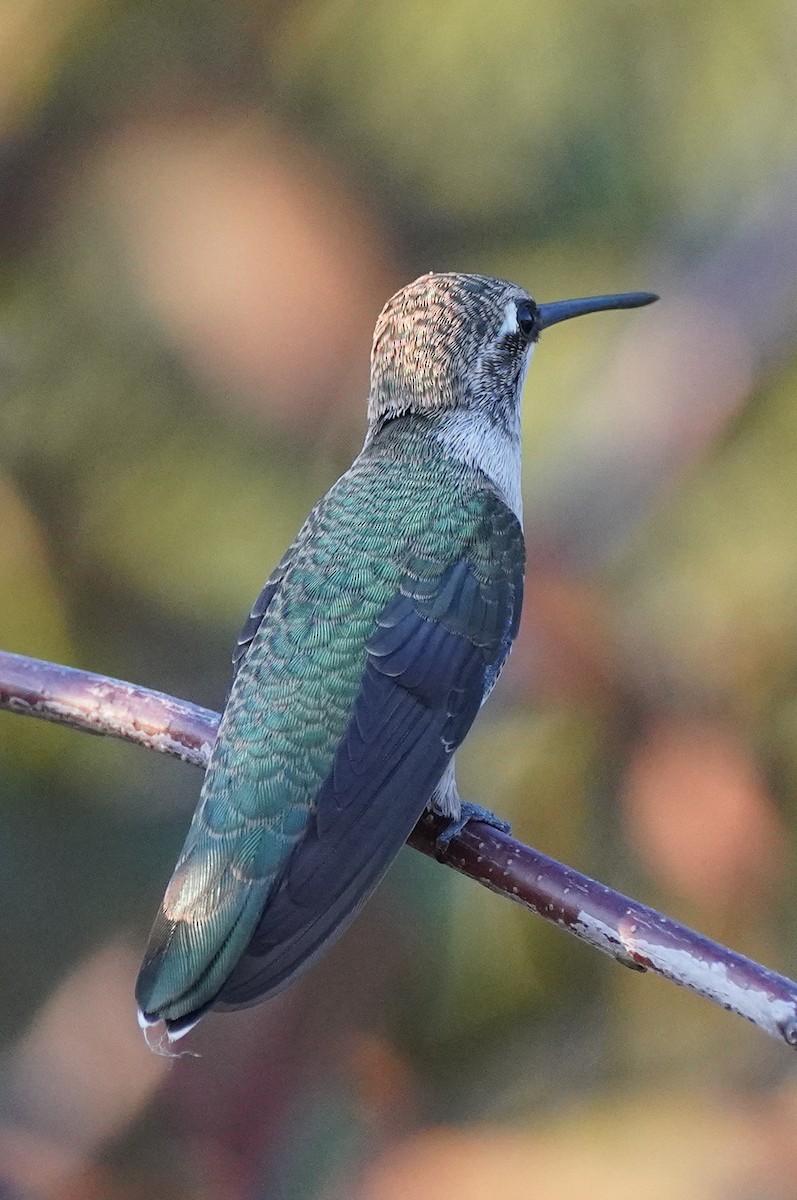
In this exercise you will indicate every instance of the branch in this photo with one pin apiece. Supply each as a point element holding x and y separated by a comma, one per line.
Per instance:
<point>636,936</point>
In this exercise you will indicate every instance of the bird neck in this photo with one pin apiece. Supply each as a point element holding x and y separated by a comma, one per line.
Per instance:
<point>492,447</point>
<point>470,436</point>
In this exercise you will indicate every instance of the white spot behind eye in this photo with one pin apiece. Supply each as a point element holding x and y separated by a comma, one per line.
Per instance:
<point>509,324</point>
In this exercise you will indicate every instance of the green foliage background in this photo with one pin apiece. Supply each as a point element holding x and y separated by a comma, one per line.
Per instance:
<point>203,206</point>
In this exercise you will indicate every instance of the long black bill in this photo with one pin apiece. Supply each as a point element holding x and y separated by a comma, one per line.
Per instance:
<point>563,310</point>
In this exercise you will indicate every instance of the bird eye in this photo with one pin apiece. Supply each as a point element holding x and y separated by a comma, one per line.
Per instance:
<point>527,318</point>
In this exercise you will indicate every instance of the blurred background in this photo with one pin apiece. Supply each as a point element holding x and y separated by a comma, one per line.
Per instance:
<point>203,206</point>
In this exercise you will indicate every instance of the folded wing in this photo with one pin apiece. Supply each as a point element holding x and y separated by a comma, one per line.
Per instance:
<point>261,897</point>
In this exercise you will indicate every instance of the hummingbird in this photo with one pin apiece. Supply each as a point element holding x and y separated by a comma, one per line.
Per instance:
<point>365,658</point>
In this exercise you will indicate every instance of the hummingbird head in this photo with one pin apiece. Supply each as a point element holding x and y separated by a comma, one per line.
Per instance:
<point>450,341</point>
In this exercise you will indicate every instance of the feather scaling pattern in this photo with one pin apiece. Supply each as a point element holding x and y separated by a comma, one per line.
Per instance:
<point>361,676</point>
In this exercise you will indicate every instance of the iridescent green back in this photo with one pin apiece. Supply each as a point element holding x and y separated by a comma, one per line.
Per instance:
<point>402,512</point>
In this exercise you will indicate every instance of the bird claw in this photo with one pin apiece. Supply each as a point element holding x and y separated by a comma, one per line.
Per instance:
<point>468,812</point>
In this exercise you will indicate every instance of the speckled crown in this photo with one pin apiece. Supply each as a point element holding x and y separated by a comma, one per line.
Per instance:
<point>429,340</point>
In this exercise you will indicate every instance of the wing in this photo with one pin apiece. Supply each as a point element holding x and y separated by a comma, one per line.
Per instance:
<point>315,784</point>
<point>434,654</point>
<point>258,610</point>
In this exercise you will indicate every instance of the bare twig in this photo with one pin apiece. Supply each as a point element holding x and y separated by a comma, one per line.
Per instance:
<point>97,704</point>
<point>636,936</point>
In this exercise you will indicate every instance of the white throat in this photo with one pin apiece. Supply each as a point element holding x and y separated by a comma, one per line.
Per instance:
<point>488,448</point>
<point>468,436</point>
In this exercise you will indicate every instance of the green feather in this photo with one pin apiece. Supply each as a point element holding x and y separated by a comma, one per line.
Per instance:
<point>394,523</point>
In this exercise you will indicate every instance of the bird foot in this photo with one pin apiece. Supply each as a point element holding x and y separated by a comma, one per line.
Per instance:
<point>468,812</point>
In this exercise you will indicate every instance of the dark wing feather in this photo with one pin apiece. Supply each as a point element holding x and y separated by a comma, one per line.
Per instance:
<point>272,871</point>
<point>258,611</point>
<point>423,684</point>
